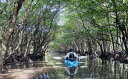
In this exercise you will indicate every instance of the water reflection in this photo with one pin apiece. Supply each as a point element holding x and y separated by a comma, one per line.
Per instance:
<point>89,69</point>
<point>93,69</point>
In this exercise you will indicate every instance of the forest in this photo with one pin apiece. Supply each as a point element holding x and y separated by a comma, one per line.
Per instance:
<point>30,28</point>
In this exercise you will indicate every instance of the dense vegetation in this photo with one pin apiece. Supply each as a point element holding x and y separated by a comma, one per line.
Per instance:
<point>31,26</point>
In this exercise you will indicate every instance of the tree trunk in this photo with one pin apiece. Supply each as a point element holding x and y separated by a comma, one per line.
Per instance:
<point>10,29</point>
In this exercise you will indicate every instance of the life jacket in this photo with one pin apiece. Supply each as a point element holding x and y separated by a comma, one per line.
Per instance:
<point>72,57</point>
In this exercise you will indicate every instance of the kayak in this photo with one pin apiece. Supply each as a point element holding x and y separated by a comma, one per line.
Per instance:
<point>72,66</point>
<point>71,63</point>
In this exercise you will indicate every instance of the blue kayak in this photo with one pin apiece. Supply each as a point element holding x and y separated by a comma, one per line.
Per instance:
<point>71,63</point>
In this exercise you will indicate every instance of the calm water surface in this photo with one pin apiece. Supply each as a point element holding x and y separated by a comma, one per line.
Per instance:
<point>90,69</point>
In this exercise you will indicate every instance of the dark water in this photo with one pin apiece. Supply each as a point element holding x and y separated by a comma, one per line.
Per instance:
<point>96,70</point>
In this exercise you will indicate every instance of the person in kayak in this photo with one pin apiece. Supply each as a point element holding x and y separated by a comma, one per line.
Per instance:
<point>71,55</point>
<point>71,62</point>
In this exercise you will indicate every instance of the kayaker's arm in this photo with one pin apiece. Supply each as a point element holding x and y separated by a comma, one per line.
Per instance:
<point>67,55</point>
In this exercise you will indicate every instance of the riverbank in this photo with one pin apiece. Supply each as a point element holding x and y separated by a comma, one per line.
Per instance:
<point>21,73</point>
<point>29,73</point>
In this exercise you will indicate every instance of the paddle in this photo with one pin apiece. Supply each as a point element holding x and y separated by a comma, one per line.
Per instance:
<point>80,57</point>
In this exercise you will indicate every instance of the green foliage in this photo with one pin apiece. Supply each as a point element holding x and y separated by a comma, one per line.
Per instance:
<point>83,19</point>
<point>93,19</point>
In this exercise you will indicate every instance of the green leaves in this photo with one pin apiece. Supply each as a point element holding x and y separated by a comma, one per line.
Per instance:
<point>82,19</point>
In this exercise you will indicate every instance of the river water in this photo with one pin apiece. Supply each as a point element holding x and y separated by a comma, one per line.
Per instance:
<point>88,69</point>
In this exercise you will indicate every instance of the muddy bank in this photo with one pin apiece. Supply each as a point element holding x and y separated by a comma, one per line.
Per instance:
<point>23,73</point>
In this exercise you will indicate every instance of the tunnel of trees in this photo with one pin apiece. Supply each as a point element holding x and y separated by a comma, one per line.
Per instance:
<point>32,27</point>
